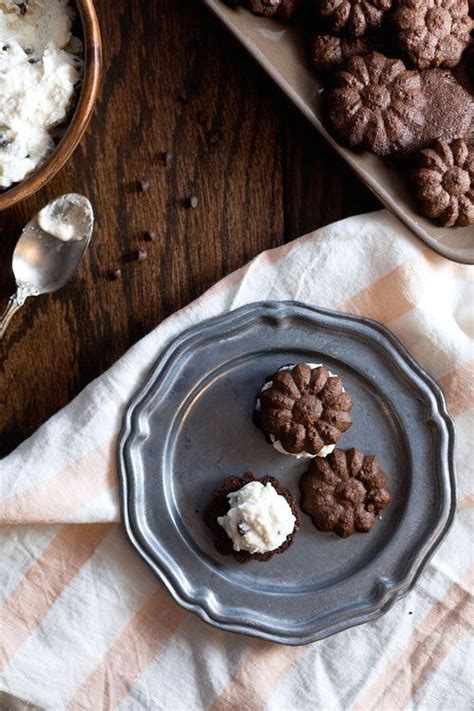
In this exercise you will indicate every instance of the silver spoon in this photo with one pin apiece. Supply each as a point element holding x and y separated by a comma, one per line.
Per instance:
<point>49,250</point>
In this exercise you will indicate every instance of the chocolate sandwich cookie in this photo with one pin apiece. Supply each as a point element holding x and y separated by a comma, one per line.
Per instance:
<point>344,492</point>
<point>303,409</point>
<point>444,183</point>
<point>252,519</point>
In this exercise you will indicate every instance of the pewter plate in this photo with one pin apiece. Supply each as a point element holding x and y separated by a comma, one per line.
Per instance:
<point>190,425</point>
<point>280,50</point>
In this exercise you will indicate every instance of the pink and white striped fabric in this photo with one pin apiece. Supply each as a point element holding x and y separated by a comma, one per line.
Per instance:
<point>85,625</point>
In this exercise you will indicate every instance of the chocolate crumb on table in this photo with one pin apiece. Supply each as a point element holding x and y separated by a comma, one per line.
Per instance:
<point>214,137</point>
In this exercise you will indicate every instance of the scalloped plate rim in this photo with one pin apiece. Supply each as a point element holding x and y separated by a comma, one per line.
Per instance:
<point>391,593</point>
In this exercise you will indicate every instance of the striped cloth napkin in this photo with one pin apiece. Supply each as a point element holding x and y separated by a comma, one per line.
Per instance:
<point>85,625</point>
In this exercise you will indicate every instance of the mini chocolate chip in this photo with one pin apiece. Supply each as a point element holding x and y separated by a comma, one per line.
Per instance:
<point>5,47</point>
<point>141,255</point>
<point>115,274</point>
<point>410,613</point>
<point>28,51</point>
<point>22,8</point>
<point>150,236</point>
<point>242,528</point>
<point>167,158</point>
<point>214,137</point>
<point>144,185</point>
<point>192,202</point>
<point>32,61</point>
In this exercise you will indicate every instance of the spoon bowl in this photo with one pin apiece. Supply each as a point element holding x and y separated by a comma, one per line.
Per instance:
<point>44,261</point>
<point>49,249</point>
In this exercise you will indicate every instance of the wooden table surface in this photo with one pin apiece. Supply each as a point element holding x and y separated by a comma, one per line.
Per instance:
<point>175,81</point>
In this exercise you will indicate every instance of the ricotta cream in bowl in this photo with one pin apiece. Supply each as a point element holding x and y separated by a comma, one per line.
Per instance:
<point>49,72</point>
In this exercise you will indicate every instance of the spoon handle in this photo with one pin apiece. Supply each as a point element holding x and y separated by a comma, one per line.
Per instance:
<point>16,302</point>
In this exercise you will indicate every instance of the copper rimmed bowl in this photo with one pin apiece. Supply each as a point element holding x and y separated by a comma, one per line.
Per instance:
<point>80,117</point>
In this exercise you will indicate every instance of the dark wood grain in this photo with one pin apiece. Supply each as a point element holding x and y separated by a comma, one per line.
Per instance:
<point>174,81</point>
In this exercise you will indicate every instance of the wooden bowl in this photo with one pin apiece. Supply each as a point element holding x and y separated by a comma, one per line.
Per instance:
<point>80,118</point>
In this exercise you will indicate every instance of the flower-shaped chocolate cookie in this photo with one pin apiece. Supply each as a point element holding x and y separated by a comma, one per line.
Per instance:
<point>344,492</point>
<point>377,104</point>
<point>304,410</point>
<point>433,33</point>
<point>354,17</point>
<point>444,183</point>
<point>282,9</point>
<point>329,52</point>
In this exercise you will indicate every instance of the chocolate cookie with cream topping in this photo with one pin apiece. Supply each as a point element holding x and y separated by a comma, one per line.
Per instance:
<point>303,409</point>
<point>252,519</point>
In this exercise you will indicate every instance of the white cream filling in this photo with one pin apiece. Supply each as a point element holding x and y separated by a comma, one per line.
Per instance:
<point>40,63</point>
<point>259,519</point>
<point>64,225</point>
<point>324,451</point>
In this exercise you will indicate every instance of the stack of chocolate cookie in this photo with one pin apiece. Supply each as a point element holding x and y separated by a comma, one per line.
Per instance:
<point>400,78</point>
